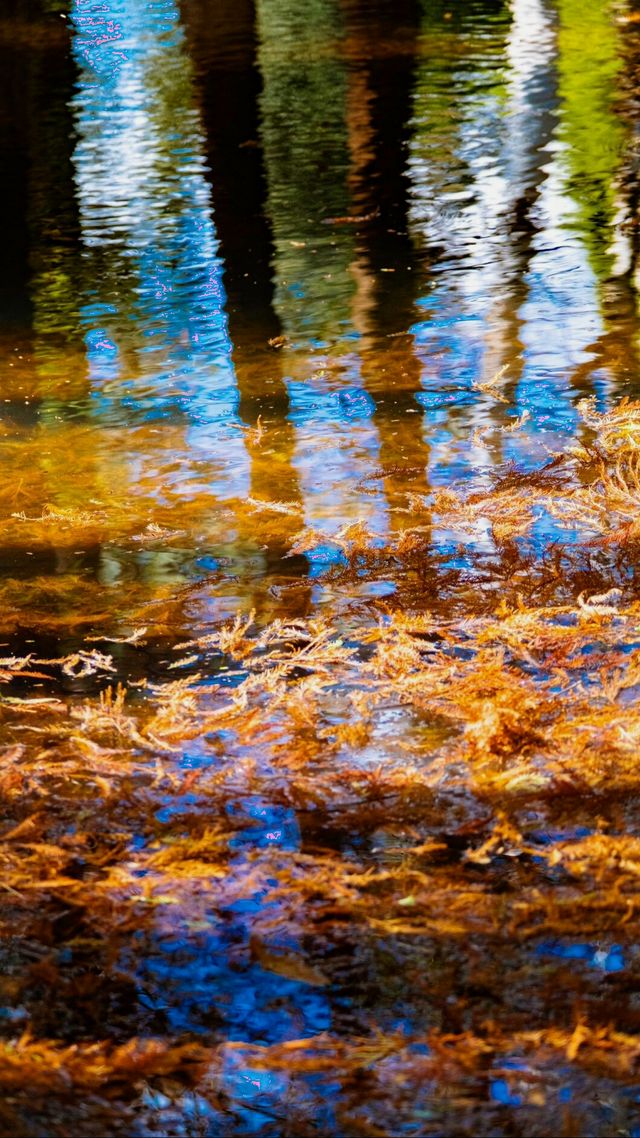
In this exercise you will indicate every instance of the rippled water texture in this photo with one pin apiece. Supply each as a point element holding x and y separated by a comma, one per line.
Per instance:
<point>406,200</point>
<point>273,266</point>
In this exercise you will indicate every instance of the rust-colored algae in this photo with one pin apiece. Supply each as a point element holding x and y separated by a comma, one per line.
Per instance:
<point>460,765</point>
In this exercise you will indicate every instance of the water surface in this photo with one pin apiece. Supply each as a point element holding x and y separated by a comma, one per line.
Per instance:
<point>331,219</point>
<point>282,264</point>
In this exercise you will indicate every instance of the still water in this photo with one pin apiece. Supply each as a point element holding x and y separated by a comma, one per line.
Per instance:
<point>266,264</point>
<point>265,254</point>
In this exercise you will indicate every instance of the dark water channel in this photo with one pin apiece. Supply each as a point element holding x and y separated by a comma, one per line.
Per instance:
<point>259,258</point>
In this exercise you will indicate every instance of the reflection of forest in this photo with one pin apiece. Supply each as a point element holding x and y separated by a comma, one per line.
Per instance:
<point>409,199</point>
<point>490,249</point>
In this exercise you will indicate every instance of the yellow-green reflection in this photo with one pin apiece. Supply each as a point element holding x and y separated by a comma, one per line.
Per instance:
<point>594,137</point>
<point>304,136</point>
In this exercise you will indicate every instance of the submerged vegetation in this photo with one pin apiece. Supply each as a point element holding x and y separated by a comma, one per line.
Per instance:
<point>319,592</point>
<point>412,818</point>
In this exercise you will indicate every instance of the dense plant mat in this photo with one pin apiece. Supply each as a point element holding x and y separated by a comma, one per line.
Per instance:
<point>373,869</point>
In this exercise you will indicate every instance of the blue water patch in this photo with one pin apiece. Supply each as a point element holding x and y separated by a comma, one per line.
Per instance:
<point>269,826</point>
<point>424,330</point>
<point>448,397</point>
<point>500,1093</point>
<point>355,403</point>
<point>310,403</point>
<point>607,959</point>
<point>551,837</point>
<point>323,557</point>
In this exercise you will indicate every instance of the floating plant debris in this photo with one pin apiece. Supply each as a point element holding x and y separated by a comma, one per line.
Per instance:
<point>319,590</point>
<point>392,805</point>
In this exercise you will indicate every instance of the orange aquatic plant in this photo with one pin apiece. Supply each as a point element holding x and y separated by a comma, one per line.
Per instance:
<point>403,829</point>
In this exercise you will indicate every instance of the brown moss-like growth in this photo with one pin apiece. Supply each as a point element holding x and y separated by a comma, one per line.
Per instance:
<point>371,871</point>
